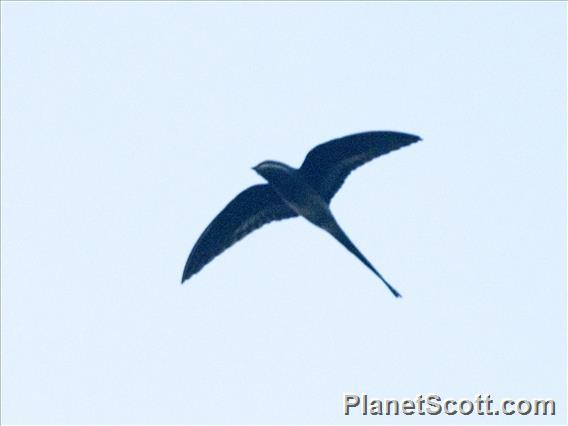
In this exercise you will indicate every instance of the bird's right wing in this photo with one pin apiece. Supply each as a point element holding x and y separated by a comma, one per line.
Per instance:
<point>327,165</point>
<point>248,211</point>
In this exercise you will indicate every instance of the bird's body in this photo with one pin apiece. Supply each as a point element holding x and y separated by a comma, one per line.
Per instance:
<point>292,187</point>
<point>292,192</point>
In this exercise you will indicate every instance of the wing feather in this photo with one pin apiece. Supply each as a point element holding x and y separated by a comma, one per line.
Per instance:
<point>327,165</point>
<point>248,211</point>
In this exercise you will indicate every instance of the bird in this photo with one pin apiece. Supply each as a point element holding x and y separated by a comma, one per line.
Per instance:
<point>290,192</point>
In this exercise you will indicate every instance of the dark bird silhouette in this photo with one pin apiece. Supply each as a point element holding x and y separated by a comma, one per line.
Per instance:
<point>290,192</point>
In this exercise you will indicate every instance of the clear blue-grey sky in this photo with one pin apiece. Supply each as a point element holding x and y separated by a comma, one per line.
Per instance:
<point>127,126</point>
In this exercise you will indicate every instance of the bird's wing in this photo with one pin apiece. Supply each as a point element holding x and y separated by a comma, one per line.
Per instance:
<point>327,165</point>
<point>248,211</point>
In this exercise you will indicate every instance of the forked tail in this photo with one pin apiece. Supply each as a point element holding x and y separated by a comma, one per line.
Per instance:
<point>340,236</point>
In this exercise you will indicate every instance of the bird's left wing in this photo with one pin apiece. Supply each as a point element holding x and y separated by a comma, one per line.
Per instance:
<point>248,211</point>
<point>327,165</point>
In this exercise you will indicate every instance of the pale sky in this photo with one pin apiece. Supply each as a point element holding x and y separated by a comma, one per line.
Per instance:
<point>126,127</point>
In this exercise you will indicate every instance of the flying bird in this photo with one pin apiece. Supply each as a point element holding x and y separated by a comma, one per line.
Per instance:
<point>291,192</point>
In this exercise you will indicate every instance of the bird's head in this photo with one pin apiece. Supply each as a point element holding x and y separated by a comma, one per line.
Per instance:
<point>272,170</point>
